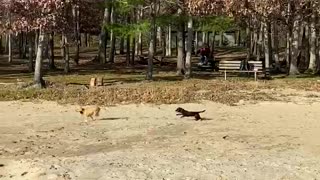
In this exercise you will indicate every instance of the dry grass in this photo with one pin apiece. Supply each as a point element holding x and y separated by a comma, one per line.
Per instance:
<point>130,87</point>
<point>125,85</point>
<point>159,92</point>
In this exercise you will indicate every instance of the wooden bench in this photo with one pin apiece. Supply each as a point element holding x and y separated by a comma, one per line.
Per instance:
<point>235,66</point>
<point>255,67</point>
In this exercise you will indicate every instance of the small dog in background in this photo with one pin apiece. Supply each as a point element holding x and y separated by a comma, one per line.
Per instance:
<point>89,112</point>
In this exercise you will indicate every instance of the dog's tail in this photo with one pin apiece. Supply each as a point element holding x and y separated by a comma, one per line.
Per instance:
<point>202,111</point>
<point>96,113</point>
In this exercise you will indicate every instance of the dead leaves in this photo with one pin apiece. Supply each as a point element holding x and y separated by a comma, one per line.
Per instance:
<point>154,92</point>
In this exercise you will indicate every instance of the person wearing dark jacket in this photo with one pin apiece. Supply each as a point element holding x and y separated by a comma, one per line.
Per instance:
<point>204,54</point>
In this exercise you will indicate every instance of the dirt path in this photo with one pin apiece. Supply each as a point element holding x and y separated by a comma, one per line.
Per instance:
<point>269,140</point>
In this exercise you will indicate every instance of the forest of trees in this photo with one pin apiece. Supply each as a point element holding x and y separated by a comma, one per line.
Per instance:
<point>266,28</point>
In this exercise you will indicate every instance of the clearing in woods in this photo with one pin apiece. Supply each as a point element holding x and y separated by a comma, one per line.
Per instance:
<point>268,130</point>
<point>267,140</point>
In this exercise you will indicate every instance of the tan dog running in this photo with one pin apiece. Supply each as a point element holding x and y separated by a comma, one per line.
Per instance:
<point>89,112</point>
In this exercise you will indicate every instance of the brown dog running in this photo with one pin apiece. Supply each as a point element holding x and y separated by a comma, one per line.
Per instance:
<point>185,113</point>
<point>89,112</point>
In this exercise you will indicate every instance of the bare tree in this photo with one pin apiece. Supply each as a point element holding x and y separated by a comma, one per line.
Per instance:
<point>189,48</point>
<point>38,80</point>
<point>152,42</point>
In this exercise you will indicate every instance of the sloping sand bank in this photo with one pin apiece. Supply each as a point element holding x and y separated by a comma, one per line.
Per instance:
<point>268,140</point>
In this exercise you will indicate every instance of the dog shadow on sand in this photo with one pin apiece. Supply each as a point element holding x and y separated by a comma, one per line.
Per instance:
<point>206,119</point>
<point>113,118</point>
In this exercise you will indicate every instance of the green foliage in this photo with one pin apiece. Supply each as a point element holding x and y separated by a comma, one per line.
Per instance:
<point>216,23</point>
<point>129,29</point>
<point>125,6</point>
<point>123,9</point>
<point>166,19</point>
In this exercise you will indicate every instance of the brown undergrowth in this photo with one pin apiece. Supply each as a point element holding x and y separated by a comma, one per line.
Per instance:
<point>160,92</point>
<point>226,92</point>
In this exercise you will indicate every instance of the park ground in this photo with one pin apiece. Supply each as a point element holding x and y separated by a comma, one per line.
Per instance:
<point>251,130</point>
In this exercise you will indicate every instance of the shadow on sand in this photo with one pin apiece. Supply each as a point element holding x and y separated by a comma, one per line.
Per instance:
<point>114,118</point>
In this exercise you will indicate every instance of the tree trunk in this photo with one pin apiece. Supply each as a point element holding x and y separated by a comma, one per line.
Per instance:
<point>31,44</point>
<point>181,50</point>
<point>75,13</point>
<point>267,48</point>
<point>313,46</point>
<point>221,39</point>
<point>196,45</point>
<point>128,51</point>
<point>306,44</point>
<point>164,45</point>
<point>24,46</point>
<point>318,51</point>
<point>213,45</point>
<point>81,37</point>
<point>66,54</point>
<point>255,42</point>
<point>103,37</point>
<point>63,47</point>
<point>295,47</point>
<point>133,50</point>
<point>1,49</point>
<point>239,38</point>
<point>10,48</point>
<point>189,49</point>
<point>138,44</point>
<point>152,43</point>
<point>112,48</point>
<point>36,41</point>
<point>248,42</point>
<point>139,41</point>
<point>159,40</point>
<point>20,39</point>
<point>122,45</point>
<point>51,51</point>
<point>46,51</point>
<point>260,43</point>
<point>203,37</point>
<point>6,46</point>
<point>288,49</point>
<point>236,38</point>
<point>86,39</point>
<point>252,42</point>
<point>38,80</point>
<point>169,42</point>
<point>275,46</point>
<point>113,38</point>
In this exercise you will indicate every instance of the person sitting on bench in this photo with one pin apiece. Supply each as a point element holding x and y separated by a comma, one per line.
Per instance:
<point>204,54</point>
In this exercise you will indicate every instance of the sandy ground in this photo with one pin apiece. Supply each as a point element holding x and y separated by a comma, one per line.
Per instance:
<point>267,140</point>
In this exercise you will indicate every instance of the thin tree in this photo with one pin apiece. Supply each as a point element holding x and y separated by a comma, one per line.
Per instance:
<point>38,80</point>
<point>152,42</point>
<point>189,48</point>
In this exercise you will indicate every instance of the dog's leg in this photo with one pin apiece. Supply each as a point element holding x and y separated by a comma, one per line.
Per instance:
<point>197,116</point>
